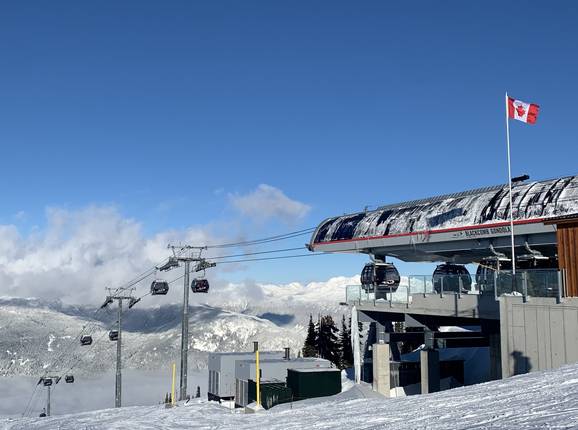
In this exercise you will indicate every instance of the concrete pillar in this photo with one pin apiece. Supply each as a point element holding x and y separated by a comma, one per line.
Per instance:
<point>381,375</point>
<point>492,329</point>
<point>494,340</point>
<point>430,370</point>
<point>380,333</point>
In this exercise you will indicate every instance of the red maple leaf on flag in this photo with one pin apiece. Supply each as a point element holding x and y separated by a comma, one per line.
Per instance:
<point>525,112</point>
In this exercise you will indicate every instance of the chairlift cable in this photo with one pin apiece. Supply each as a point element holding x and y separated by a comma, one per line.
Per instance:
<point>28,408</point>
<point>285,236</point>
<point>149,272</point>
<point>255,253</point>
<point>79,357</point>
<point>274,258</point>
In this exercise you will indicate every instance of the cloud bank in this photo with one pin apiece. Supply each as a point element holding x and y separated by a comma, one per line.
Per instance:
<point>81,252</point>
<point>267,202</point>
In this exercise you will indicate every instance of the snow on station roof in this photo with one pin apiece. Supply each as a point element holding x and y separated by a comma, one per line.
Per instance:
<point>533,202</point>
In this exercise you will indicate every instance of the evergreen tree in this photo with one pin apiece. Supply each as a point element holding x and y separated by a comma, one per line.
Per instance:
<point>327,342</point>
<point>345,345</point>
<point>310,346</point>
<point>198,392</point>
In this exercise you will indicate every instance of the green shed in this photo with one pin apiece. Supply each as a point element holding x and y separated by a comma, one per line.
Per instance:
<point>309,383</point>
<point>273,393</point>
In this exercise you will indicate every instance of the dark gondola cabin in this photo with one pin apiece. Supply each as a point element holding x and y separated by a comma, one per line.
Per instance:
<point>86,340</point>
<point>113,335</point>
<point>200,286</point>
<point>381,278</point>
<point>47,382</point>
<point>451,277</point>
<point>69,379</point>
<point>159,287</point>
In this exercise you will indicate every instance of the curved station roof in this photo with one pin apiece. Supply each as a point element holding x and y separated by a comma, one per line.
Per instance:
<point>462,227</point>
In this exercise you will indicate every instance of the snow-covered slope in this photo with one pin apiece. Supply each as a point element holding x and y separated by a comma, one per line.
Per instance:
<point>34,334</point>
<point>31,339</point>
<point>534,401</point>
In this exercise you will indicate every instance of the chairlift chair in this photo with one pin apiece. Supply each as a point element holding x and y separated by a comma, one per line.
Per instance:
<point>159,287</point>
<point>113,335</point>
<point>200,285</point>
<point>69,379</point>
<point>86,340</point>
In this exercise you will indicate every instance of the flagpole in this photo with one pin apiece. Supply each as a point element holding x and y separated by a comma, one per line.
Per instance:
<point>510,187</point>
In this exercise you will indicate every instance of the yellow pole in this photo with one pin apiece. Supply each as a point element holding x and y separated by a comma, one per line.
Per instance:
<point>258,378</point>
<point>173,387</point>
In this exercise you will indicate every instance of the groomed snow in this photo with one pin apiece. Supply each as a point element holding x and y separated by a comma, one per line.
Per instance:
<point>537,400</point>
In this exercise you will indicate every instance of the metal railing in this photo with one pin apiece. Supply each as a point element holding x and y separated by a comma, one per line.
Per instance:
<point>527,284</point>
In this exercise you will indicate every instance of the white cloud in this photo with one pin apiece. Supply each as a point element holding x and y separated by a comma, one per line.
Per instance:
<point>268,202</point>
<point>77,253</point>
<point>81,252</point>
<point>287,297</point>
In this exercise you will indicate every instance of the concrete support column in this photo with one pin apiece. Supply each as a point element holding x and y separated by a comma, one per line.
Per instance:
<point>495,356</point>
<point>381,377</point>
<point>492,330</point>
<point>430,370</point>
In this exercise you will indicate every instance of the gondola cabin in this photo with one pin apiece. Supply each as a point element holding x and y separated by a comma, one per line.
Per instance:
<point>381,278</point>
<point>86,340</point>
<point>47,382</point>
<point>159,287</point>
<point>200,286</point>
<point>451,277</point>
<point>69,379</point>
<point>113,335</point>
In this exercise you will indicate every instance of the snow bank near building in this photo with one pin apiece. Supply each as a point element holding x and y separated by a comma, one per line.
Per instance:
<point>537,400</point>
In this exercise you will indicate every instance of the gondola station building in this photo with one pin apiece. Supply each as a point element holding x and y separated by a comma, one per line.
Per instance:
<point>503,299</point>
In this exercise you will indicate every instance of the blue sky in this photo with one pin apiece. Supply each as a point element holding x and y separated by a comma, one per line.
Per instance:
<point>167,110</point>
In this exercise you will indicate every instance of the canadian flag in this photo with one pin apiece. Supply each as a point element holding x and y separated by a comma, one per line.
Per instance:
<point>522,111</point>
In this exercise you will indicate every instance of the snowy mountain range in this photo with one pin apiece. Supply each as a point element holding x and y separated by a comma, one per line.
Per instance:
<point>38,336</point>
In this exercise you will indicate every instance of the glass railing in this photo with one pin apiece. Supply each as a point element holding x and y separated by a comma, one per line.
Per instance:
<point>531,283</point>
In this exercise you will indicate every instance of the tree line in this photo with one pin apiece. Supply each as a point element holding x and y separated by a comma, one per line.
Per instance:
<point>325,340</point>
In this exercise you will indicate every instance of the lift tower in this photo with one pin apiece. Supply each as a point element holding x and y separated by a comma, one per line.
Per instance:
<point>185,254</point>
<point>112,296</point>
<point>48,381</point>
